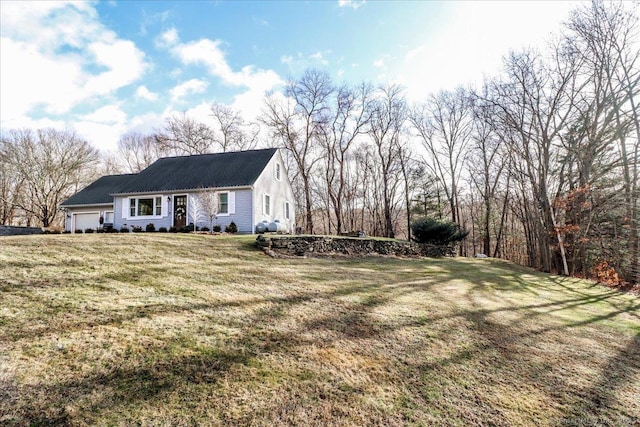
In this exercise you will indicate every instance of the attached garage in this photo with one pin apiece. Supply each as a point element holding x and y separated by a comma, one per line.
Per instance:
<point>83,221</point>
<point>83,209</point>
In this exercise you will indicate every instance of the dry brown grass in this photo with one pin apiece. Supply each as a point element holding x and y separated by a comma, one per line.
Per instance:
<point>159,329</point>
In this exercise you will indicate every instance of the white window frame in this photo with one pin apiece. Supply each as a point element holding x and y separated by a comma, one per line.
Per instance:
<point>157,203</point>
<point>287,210</point>
<point>266,209</point>
<point>113,217</point>
<point>220,213</point>
<point>231,203</point>
<point>278,172</point>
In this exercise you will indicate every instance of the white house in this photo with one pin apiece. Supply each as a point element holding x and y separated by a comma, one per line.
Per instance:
<point>250,187</point>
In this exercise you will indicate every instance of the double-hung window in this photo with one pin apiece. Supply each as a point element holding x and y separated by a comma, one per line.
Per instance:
<point>278,171</point>
<point>226,203</point>
<point>287,210</point>
<point>223,207</point>
<point>267,205</point>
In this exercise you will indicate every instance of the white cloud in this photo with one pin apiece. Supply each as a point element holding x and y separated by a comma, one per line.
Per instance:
<point>473,42</point>
<point>301,61</point>
<point>201,113</point>
<point>175,73</point>
<point>260,21</point>
<point>109,114</point>
<point>319,57</point>
<point>152,19</point>
<point>25,122</point>
<point>57,55</point>
<point>125,64</point>
<point>379,63</point>
<point>189,87</point>
<point>146,123</point>
<point>104,136</point>
<point>23,85</point>
<point>249,104</point>
<point>50,24</point>
<point>208,53</point>
<point>102,127</point>
<point>168,38</point>
<point>351,3</point>
<point>143,93</point>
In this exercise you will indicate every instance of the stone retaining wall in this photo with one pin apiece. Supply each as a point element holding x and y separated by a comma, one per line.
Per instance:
<point>9,230</point>
<point>284,246</point>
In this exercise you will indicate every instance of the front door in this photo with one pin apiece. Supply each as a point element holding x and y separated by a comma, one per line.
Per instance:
<point>179,211</point>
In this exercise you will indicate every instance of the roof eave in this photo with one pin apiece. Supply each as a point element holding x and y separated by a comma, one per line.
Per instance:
<point>84,204</point>
<point>183,190</point>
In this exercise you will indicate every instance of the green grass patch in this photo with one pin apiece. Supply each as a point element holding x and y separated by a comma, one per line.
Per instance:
<point>180,329</point>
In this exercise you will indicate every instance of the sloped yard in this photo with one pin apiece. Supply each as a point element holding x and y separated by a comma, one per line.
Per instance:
<point>159,329</point>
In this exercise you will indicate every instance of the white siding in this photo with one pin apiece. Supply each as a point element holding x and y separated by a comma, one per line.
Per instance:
<point>279,192</point>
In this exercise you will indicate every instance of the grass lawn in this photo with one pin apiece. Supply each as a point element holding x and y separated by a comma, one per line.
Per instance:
<point>177,329</point>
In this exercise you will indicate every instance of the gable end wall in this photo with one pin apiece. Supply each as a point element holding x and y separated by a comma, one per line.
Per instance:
<point>279,192</point>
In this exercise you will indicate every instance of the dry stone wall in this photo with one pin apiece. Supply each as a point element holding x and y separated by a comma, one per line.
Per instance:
<point>287,246</point>
<point>8,230</point>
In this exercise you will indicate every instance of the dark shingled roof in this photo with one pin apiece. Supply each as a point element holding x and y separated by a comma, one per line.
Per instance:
<point>234,169</point>
<point>99,192</point>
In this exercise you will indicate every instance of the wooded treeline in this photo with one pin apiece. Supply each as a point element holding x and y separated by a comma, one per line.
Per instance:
<point>540,164</point>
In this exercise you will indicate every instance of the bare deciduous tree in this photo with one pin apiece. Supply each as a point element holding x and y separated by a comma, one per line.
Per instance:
<point>350,111</point>
<point>606,37</point>
<point>386,126</point>
<point>297,122</point>
<point>11,184</point>
<point>444,127</point>
<point>183,135</point>
<point>234,133</point>
<point>209,201</point>
<point>487,160</point>
<point>138,151</point>
<point>51,164</point>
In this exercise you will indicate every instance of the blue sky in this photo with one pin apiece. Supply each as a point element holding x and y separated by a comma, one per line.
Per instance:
<point>106,68</point>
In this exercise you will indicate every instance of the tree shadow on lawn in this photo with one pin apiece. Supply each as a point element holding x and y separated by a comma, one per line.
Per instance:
<point>83,400</point>
<point>350,320</point>
<point>522,347</point>
<point>516,351</point>
<point>49,404</point>
<point>615,374</point>
<point>510,278</point>
<point>52,404</point>
<point>501,358</point>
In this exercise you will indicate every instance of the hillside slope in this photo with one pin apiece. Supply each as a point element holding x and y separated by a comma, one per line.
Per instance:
<point>166,329</point>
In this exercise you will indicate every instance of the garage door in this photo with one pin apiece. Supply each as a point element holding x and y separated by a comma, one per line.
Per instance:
<point>87,220</point>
